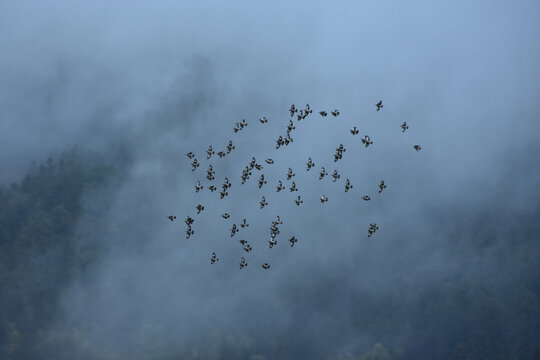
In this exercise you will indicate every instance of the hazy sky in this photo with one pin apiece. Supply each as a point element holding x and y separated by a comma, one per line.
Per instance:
<point>164,79</point>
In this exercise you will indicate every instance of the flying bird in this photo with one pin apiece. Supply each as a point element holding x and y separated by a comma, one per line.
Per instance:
<point>293,187</point>
<point>324,199</point>
<point>225,215</point>
<point>310,164</point>
<point>269,161</point>
<point>243,263</point>
<point>230,147</point>
<point>323,113</point>
<point>298,201</point>
<point>199,208</point>
<point>335,112</point>
<point>293,240</point>
<point>263,202</point>
<point>382,186</point>
<point>348,185</point>
<point>214,258</point>
<point>263,120</point>
<point>209,152</point>
<point>171,217</point>
<point>417,147</point>
<point>190,155</point>
<point>244,223</point>
<point>280,186</point>
<point>322,173</point>
<point>290,174</point>
<point>404,126</point>
<point>336,176</point>
<point>198,187</point>
<point>266,266</point>
<point>379,105</point>
<point>366,198</point>
<point>354,131</point>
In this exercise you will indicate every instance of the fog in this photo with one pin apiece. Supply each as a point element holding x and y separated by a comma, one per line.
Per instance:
<point>158,81</point>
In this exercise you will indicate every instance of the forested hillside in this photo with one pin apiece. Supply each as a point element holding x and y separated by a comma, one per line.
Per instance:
<point>489,310</point>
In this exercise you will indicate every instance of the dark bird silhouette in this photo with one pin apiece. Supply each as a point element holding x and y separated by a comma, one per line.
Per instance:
<point>323,113</point>
<point>190,155</point>
<point>382,186</point>
<point>171,217</point>
<point>324,198</point>
<point>230,147</point>
<point>335,112</point>
<point>354,131</point>
<point>198,187</point>
<point>293,187</point>
<point>269,161</point>
<point>348,185</point>
<point>298,201</point>
<point>214,258</point>
<point>310,164</point>
<point>280,186</point>
<point>263,202</point>
<point>293,241</point>
<point>263,120</point>
<point>290,174</point>
<point>225,215</point>
<point>379,105</point>
<point>366,198</point>
<point>266,266</point>
<point>209,152</point>
<point>322,173</point>
<point>417,147</point>
<point>335,175</point>
<point>404,126</point>
<point>244,223</point>
<point>243,263</point>
<point>199,208</point>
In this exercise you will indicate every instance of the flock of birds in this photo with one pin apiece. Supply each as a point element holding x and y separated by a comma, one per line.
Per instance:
<point>247,172</point>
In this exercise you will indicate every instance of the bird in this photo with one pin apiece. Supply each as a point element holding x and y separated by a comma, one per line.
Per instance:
<point>293,240</point>
<point>190,155</point>
<point>322,173</point>
<point>293,187</point>
<point>290,174</point>
<point>348,185</point>
<point>263,120</point>
<point>261,181</point>
<point>280,186</point>
<point>223,193</point>
<point>237,127</point>
<point>214,258</point>
<point>226,183</point>
<point>354,131</point>
<point>221,154</point>
<point>243,242</point>
<point>244,223</point>
<point>310,164</point>
<point>234,230</point>
<point>210,173</point>
<point>279,142</point>
<point>266,266</point>
<point>225,215</point>
<point>189,220</point>
<point>194,164</point>
<point>292,110</point>
<point>382,186</point>
<point>209,152</point>
<point>335,112</point>
<point>243,263</point>
<point>171,217</point>
<point>198,187</point>
<point>212,188</point>
<point>324,198</point>
<point>189,232</point>
<point>298,201</point>
<point>404,126</point>
<point>417,147</point>
<point>230,147</point>
<point>269,161</point>
<point>247,248</point>
<point>379,105</point>
<point>263,202</point>
<point>335,175</point>
<point>372,228</point>
<point>199,208</point>
<point>272,242</point>
<point>366,140</point>
<point>366,198</point>
<point>243,123</point>
<point>323,113</point>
